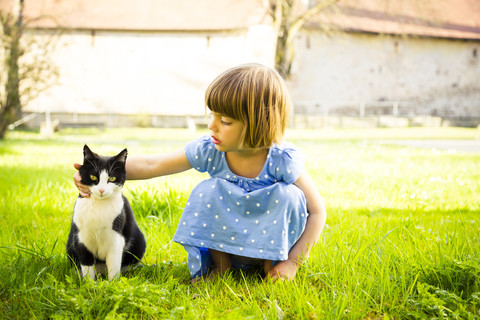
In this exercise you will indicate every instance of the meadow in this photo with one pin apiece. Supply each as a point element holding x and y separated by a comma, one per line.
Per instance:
<point>402,239</point>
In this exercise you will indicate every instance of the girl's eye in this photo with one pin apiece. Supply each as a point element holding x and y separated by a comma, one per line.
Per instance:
<point>111,179</point>
<point>225,122</point>
<point>94,178</point>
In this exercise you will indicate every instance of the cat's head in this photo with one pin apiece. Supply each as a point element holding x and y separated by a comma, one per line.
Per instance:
<point>104,176</point>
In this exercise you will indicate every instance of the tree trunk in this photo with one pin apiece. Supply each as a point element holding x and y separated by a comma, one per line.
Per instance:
<point>287,26</point>
<point>11,108</point>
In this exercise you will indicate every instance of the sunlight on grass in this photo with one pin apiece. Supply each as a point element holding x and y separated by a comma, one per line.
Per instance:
<point>401,240</point>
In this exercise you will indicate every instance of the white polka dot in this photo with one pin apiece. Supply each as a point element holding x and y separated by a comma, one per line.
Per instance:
<point>238,203</point>
<point>257,178</point>
<point>268,211</point>
<point>276,201</point>
<point>216,216</point>
<point>241,249</point>
<point>253,241</point>
<point>265,176</point>
<point>281,251</point>
<point>293,231</point>
<point>248,212</point>
<point>260,250</point>
<point>278,169</point>
<point>236,220</point>
<point>221,245</point>
<point>209,159</point>
<point>274,221</point>
<point>256,221</point>
<point>289,171</point>
<point>258,204</point>
<point>268,193</point>
<point>221,198</point>
<point>228,209</point>
<point>204,225</point>
<point>200,195</point>
<point>247,196</point>
<point>208,205</point>
<point>264,231</point>
<point>198,168</point>
<point>184,223</point>
<point>192,233</point>
<point>303,215</point>
<point>244,230</point>
<point>229,192</point>
<point>196,214</point>
<point>196,157</point>
<point>228,176</point>
<point>188,203</point>
<point>272,242</point>
<point>201,243</point>
<point>213,187</point>
<point>224,228</point>
<point>233,238</point>
<point>212,235</point>
<point>181,242</point>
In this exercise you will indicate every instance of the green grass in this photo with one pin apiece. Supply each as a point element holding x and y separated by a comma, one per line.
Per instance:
<point>402,238</point>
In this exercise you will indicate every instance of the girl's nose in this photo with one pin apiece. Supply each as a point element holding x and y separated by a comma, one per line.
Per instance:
<point>211,124</point>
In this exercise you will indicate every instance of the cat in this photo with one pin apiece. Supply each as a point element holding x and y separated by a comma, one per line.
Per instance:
<point>104,235</point>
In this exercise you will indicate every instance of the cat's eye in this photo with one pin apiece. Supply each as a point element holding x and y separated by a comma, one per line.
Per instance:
<point>111,179</point>
<point>94,178</point>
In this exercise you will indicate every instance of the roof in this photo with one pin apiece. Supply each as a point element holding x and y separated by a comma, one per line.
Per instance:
<point>145,14</point>
<point>431,18</point>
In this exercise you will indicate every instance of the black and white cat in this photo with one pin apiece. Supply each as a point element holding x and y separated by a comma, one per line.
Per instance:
<point>104,235</point>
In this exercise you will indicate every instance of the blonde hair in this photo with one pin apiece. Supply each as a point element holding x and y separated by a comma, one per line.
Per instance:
<point>257,96</point>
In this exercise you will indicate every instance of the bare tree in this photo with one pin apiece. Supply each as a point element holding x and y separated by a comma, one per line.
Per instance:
<point>287,24</point>
<point>26,69</point>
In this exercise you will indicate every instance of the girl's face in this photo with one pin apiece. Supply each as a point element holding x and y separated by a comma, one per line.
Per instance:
<point>226,132</point>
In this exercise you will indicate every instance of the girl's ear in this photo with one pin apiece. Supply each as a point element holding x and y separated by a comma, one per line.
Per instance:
<point>122,156</point>
<point>88,154</point>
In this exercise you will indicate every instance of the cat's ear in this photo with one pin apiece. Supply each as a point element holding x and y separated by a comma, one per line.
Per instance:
<point>122,156</point>
<point>87,153</point>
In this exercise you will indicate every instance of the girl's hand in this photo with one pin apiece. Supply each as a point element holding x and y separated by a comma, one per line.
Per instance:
<point>283,270</point>
<point>83,189</point>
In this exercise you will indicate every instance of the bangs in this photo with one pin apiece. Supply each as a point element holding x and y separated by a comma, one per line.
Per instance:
<point>225,96</point>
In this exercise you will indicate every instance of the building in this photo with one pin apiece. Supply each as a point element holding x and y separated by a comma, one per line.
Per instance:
<point>151,60</point>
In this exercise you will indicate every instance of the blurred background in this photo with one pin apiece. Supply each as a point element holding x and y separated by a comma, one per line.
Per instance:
<point>348,63</point>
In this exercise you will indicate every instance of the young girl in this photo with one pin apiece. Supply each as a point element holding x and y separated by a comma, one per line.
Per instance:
<point>259,207</point>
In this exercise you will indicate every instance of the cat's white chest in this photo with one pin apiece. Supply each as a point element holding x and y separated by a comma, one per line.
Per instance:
<point>94,219</point>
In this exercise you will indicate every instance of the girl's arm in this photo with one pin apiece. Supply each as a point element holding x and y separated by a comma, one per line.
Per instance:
<point>145,167</point>
<point>151,166</point>
<point>315,223</point>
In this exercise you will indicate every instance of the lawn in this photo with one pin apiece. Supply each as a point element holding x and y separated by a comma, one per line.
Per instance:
<point>402,239</point>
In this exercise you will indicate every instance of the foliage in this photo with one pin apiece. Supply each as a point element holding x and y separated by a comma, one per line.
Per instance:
<point>401,241</point>
<point>26,67</point>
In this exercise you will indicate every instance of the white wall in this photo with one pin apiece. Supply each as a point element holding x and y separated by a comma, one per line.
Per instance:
<point>340,69</point>
<point>146,72</point>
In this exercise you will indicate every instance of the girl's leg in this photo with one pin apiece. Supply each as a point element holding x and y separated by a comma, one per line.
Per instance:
<point>267,266</point>
<point>221,261</point>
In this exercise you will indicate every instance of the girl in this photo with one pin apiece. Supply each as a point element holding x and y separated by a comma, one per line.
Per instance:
<point>259,207</point>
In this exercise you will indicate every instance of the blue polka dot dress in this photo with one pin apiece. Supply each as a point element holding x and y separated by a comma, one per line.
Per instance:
<point>258,218</point>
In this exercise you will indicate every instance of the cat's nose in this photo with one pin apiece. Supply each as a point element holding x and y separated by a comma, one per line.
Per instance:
<point>101,191</point>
